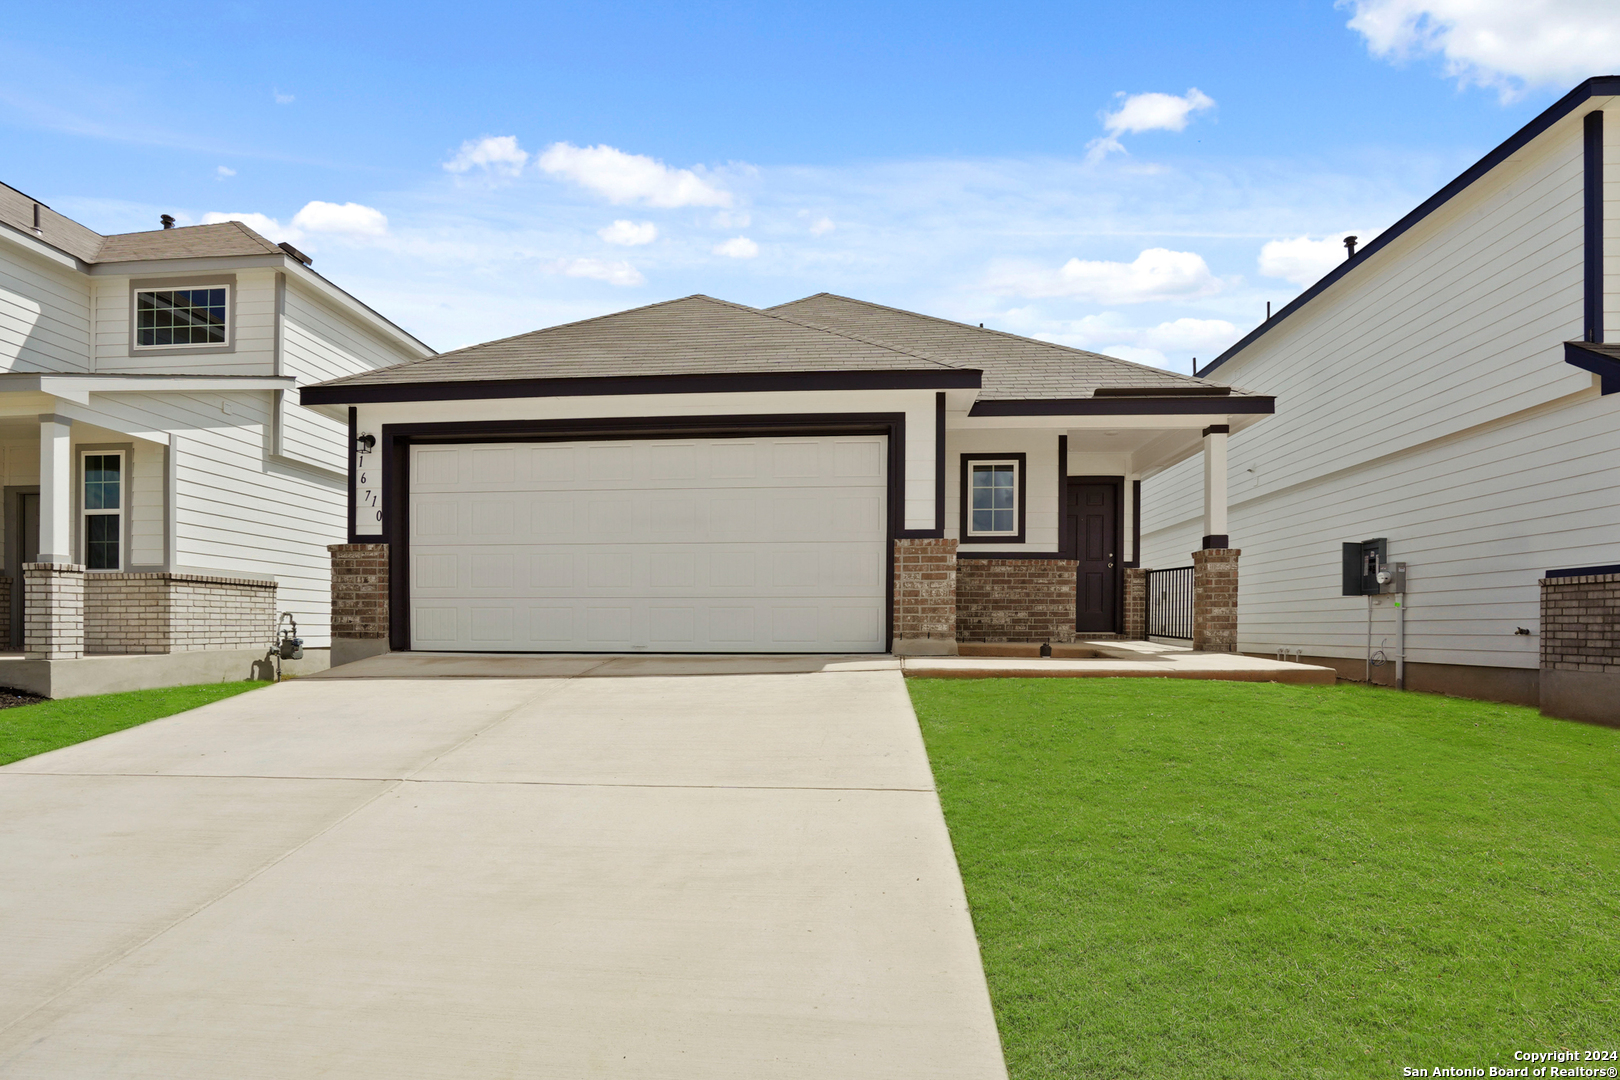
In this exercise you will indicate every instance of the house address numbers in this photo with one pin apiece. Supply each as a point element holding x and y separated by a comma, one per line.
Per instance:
<point>367,492</point>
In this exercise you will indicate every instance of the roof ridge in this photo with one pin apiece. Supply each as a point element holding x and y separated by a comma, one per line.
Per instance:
<point>1003,333</point>
<point>269,245</point>
<point>863,339</point>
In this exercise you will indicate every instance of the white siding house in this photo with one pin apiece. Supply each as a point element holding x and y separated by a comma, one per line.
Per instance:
<point>1426,394</point>
<point>218,474</point>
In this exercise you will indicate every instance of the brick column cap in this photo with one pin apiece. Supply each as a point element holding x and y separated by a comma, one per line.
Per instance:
<point>54,567</point>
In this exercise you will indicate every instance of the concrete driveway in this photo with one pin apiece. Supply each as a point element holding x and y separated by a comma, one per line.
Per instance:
<point>713,875</point>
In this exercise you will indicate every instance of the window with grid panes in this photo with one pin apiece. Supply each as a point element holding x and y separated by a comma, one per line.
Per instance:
<point>993,489</point>
<point>165,318</point>
<point>103,511</point>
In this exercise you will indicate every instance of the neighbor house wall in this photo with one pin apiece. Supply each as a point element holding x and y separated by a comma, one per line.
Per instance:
<point>1423,398</point>
<point>44,314</point>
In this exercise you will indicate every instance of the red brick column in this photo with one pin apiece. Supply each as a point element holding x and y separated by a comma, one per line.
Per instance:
<point>1135,628</point>
<point>359,601</point>
<point>925,597</point>
<point>1215,593</point>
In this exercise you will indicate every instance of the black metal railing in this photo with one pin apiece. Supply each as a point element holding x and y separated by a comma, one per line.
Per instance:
<point>1170,602</point>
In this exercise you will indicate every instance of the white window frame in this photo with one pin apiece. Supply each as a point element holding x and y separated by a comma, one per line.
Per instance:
<point>1017,468</point>
<point>135,316</point>
<point>85,513</point>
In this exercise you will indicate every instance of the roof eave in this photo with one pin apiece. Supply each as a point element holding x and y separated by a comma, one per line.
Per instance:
<point>1112,406</point>
<point>1600,86</point>
<point>362,392</point>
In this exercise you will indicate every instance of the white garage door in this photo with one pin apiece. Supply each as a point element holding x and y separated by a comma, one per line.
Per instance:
<point>691,545</point>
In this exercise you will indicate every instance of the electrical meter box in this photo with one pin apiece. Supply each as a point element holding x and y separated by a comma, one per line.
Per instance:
<point>1368,571</point>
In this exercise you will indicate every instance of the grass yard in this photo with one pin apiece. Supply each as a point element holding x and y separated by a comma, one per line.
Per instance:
<point>33,729</point>
<point>1212,879</point>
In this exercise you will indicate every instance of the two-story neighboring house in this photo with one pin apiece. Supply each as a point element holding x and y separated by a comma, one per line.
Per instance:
<point>165,497</point>
<point>1447,390</point>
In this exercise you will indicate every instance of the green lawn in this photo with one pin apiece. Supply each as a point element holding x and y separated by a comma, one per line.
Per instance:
<point>33,729</point>
<point>1211,879</point>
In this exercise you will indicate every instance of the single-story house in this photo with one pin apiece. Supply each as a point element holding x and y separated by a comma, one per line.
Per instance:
<point>1448,391</point>
<point>825,475</point>
<point>165,496</point>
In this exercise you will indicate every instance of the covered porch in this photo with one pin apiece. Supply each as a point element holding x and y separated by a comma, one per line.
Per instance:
<point>1055,557</point>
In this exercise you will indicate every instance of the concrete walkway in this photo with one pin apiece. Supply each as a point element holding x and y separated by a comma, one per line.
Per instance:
<point>700,876</point>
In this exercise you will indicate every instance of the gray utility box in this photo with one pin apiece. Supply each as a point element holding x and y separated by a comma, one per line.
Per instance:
<point>1368,571</point>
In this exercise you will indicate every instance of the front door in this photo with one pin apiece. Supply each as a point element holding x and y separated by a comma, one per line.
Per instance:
<point>1092,531</point>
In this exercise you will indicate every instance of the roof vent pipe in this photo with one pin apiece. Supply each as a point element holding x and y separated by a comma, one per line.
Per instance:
<point>168,221</point>
<point>1350,247</point>
<point>36,219</point>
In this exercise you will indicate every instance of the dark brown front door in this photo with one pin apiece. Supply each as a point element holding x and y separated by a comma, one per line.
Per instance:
<point>1092,532</point>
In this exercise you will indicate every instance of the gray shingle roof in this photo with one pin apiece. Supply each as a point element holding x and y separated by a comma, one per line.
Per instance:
<point>1015,368</point>
<point>186,242</point>
<point>695,335</point>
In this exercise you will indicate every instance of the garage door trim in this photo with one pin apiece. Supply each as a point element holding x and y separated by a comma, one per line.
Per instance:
<point>397,439</point>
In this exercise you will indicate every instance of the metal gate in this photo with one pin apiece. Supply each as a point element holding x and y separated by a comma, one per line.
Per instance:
<point>1170,603</point>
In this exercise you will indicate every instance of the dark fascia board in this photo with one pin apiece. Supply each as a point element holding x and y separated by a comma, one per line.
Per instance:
<point>705,383</point>
<point>1600,360</point>
<point>1159,391</point>
<point>1583,571</point>
<point>1203,406</point>
<point>1602,86</point>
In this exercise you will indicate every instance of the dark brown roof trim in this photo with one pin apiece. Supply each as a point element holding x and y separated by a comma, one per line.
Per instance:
<point>701,383</point>
<point>1160,391</point>
<point>1181,406</point>
<point>1602,360</point>
<point>1602,86</point>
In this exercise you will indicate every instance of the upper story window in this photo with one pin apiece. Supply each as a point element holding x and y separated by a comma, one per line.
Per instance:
<point>993,497</point>
<point>166,318</point>
<point>103,511</point>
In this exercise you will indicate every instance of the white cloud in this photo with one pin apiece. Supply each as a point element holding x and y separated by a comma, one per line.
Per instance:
<point>1146,112</point>
<point>738,247</point>
<point>822,226</point>
<point>223,171</point>
<point>629,233</point>
<point>267,227</point>
<point>614,273</point>
<point>349,218</point>
<point>1155,274</point>
<point>282,99</point>
<point>630,178</point>
<point>497,155</point>
<point>1507,45</point>
<point>1302,260</point>
<point>1204,337</point>
<point>733,219</point>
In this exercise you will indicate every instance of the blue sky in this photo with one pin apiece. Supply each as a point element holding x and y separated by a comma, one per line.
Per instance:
<point>1105,175</point>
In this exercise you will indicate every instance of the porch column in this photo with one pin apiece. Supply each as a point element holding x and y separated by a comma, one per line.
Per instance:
<point>1215,565</point>
<point>53,586</point>
<point>55,489</point>
<point>1215,486</point>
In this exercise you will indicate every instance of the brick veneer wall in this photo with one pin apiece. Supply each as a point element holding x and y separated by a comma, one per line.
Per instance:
<point>53,611</point>
<point>1580,623</point>
<point>1215,592</point>
<point>1135,628</point>
<point>925,584</point>
<point>165,613</point>
<point>1015,599</point>
<point>360,590</point>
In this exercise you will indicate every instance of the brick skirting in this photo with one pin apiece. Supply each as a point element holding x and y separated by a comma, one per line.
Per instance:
<point>1135,628</point>
<point>1580,647</point>
<point>359,590</point>
<point>1015,599</point>
<point>170,613</point>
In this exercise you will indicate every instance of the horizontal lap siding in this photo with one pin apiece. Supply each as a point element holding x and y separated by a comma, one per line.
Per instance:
<point>1040,484</point>
<point>44,316</point>
<point>254,315</point>
<point>1423,398</point>
<point>237,513</point>
<point>318,344</point>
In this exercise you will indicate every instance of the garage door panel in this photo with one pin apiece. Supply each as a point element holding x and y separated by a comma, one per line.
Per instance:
<point>678,545</point>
